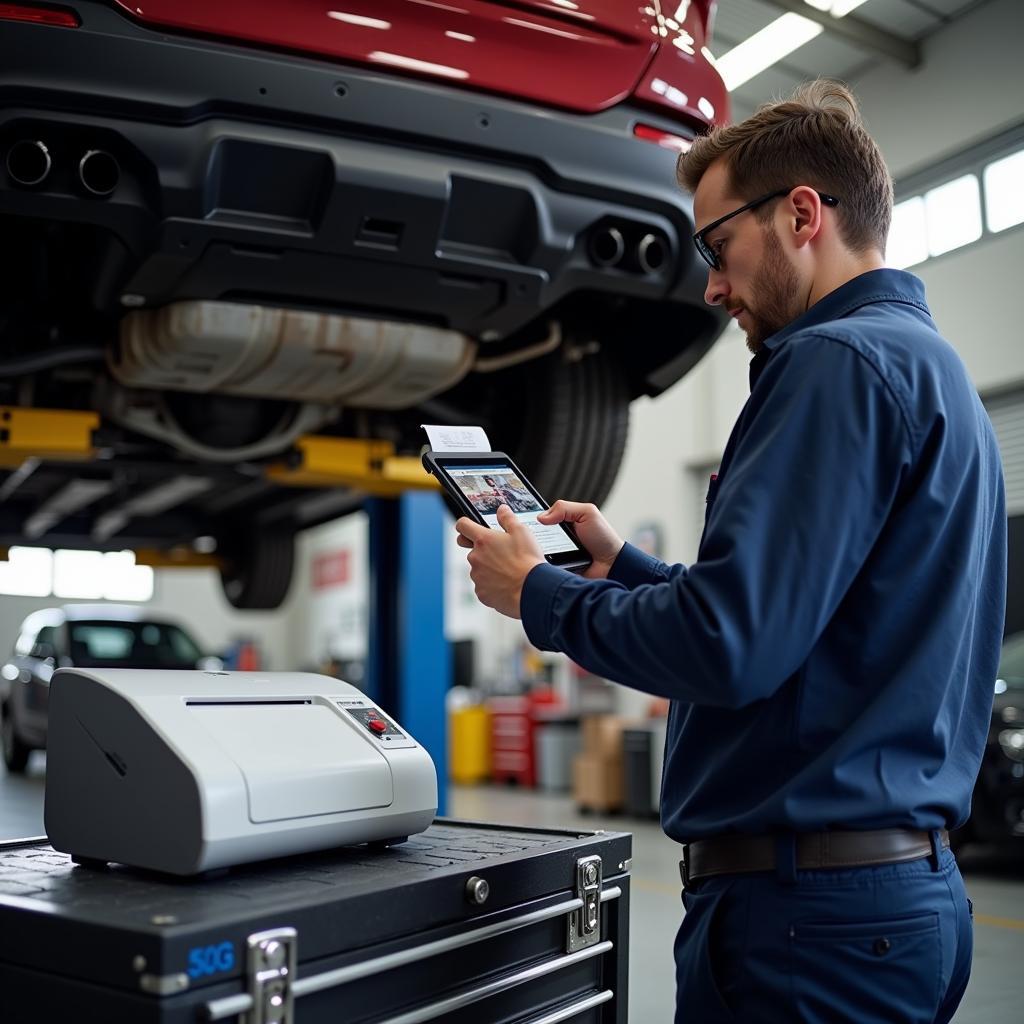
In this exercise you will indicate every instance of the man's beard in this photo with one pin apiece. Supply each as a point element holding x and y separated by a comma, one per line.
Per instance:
<point>774,294</point>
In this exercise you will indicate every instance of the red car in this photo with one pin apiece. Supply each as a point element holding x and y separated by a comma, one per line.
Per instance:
<point>229,226</point>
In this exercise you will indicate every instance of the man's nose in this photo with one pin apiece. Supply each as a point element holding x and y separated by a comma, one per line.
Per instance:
<point>716,290</point>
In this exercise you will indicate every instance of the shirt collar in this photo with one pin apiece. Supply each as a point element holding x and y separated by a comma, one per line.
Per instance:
<point>883,285</point>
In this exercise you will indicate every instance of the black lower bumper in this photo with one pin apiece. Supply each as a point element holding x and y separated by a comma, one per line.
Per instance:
<point>260,177</point>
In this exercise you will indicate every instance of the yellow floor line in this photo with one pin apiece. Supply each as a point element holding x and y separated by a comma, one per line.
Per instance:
<point>648,886</point>
<point>1000,922</point>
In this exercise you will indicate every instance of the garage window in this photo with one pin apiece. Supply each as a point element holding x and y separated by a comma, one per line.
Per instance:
<point>953,212</point>
<point>89,575</point>
<point>1004,195</point>
<point>27,572</point>
<point>908,238</point>
<point>940,210</point>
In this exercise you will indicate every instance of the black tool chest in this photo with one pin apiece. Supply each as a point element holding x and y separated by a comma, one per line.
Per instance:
<point>466,923</point>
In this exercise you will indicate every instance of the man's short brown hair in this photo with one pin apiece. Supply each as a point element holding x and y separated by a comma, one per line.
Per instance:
<point>816,138</point>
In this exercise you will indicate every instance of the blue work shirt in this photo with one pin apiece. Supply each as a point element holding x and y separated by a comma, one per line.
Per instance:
<point>831,654</point>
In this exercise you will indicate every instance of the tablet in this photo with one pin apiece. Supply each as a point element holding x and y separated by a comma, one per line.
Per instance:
<point>479,482</point>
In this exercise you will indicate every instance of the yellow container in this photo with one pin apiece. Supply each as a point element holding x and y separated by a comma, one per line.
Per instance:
<point>469,748</point>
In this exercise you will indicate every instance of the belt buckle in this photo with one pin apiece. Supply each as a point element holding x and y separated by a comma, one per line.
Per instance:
<point>684,867</point>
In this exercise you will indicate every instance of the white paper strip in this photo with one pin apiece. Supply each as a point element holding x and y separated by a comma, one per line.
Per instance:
<point>457,439</point>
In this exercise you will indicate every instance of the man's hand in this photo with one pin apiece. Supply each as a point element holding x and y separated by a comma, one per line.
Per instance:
<point>500,562</point>
<point>594,531</point>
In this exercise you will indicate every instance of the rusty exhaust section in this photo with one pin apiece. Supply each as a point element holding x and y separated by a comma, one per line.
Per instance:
<point>261,351</point>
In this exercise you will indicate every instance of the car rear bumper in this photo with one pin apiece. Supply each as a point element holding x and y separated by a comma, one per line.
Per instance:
<point>267,178</point>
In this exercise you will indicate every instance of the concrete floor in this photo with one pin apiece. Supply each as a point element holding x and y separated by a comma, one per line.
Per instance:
<point>995,881</point>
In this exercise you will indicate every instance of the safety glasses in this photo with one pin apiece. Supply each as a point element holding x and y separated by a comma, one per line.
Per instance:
<point>711,257</point>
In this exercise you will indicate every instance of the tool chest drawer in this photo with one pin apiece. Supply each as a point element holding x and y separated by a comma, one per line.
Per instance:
<point>465,923</point>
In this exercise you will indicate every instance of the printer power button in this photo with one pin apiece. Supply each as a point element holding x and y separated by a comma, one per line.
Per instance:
<point>377,726</point>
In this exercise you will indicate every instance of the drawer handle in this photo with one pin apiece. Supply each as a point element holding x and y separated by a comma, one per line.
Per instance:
<point>474,995</point>
<point>230,1006</point>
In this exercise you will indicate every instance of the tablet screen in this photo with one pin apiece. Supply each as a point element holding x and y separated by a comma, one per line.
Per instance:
<point>487,487</point>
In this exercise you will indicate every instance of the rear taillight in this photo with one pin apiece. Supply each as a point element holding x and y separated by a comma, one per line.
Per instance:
<point>661,138</point>
<point>59,16</point>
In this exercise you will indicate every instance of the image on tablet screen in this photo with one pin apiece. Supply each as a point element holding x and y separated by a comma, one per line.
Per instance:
<point>486,491</point>
<point>487,488</point>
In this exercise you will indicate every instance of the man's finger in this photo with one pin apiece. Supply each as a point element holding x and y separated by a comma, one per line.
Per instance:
<point>563,512</point>
<point>552,515</point>
<point>473,532</point>
<point>464,543</point>
<point>506,518</point>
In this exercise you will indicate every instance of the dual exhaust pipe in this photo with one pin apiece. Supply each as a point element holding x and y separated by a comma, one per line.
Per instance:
<point>29,164</point>
<point>609,248</point>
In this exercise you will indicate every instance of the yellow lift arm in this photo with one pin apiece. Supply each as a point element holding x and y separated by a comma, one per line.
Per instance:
<point>59,434</point>
<point>368,466</point>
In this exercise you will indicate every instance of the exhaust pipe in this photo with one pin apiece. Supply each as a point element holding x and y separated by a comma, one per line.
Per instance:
<point>99,173</point>
<point>28,162</point>
<point>650,254</point>
<point>607,247</point>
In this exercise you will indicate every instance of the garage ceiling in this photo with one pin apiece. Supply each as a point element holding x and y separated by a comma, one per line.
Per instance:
<point>830,54</point>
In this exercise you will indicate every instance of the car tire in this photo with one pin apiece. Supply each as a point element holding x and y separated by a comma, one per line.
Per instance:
<point>575,420</point>
<point>15,751</point>
<point>258,569</point>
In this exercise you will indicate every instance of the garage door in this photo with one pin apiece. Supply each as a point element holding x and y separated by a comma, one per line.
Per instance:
<point>1007,412</point>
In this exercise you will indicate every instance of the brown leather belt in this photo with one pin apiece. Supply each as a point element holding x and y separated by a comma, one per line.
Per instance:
<point>728,855</point>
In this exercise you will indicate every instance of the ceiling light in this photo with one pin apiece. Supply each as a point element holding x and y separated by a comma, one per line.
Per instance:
<point>765,48</point>
<point>837,8</point>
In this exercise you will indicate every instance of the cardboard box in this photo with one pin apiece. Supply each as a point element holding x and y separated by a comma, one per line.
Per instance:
<point>597,782</point>
<point>602,735</point>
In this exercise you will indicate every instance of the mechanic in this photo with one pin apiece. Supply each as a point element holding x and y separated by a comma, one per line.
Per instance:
<point>831,654</point>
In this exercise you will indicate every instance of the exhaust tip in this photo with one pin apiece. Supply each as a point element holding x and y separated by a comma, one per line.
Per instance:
<point>99,173</point>
<point>28,162</point>
<point>607,247</point>
<point>651,254</point>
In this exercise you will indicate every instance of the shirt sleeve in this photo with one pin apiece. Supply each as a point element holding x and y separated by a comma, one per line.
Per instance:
<point>807,491</point>
<point>633,567</point>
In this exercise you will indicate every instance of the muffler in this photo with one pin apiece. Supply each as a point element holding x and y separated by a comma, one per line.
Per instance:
<point>28,163</point>
<point>99,173</point>
<point>267,352</point>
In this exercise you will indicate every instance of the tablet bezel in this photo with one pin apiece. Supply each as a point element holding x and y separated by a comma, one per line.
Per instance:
<point>436,463</point>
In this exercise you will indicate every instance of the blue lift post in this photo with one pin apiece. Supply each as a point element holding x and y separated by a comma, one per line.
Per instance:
<point>410,665</point>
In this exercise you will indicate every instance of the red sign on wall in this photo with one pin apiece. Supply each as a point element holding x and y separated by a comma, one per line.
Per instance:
<point>332,569</point>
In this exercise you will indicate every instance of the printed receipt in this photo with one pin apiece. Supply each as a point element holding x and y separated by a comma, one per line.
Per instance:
<point>457,439</point>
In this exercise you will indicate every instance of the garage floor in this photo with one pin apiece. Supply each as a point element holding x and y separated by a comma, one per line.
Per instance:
<point>995,881</point>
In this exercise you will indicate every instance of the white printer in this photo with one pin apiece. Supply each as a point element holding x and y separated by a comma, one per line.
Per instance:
<point>184,772</point>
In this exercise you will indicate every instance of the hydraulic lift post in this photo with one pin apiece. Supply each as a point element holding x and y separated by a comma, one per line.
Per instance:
<point>409,664</point>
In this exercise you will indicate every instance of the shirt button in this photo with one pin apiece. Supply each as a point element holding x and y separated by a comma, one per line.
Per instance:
<point>882,946</point>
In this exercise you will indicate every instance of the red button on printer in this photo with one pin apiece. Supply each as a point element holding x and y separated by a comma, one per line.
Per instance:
<point>377,725</point>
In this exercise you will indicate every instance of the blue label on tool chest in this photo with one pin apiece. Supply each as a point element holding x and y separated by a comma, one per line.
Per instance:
<point>206,960</point>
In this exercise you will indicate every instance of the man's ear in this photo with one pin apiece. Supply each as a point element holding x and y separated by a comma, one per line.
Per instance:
<point>804,215</point>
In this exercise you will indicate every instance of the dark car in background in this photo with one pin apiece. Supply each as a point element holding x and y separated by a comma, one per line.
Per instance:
<point>232,227</point>
<point>83,636</point>
<point>997,806</point>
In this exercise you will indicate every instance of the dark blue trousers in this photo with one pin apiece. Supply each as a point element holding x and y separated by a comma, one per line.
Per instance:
<point>888,944</point>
